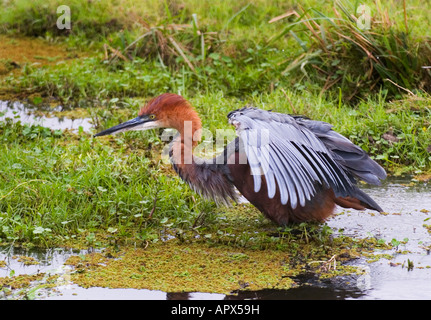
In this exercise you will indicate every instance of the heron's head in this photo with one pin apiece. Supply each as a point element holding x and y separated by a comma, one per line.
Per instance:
<point>168,110</point>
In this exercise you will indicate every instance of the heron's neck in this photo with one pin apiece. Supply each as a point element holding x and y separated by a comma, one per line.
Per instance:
<point>206,177</point>
<point>189,126</point>
<point>189,135</point>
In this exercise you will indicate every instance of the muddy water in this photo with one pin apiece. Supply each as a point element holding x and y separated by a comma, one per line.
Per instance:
<point>26,114</point>
<point>406,275</point>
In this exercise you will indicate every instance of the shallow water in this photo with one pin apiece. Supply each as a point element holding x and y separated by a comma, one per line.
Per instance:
<point>26,114</point>
<point>407,206</point>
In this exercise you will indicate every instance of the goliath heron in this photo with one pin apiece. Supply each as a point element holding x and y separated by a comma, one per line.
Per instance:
<point>300,172</point>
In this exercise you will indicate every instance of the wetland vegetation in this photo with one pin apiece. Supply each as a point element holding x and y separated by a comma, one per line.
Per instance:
<point>64,188</point>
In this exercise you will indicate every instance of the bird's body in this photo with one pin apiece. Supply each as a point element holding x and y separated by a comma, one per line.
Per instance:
<point>291,168</point>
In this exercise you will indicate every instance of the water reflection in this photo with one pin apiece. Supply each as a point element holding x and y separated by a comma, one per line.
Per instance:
<point>309,288</point>
<point>25,113</point>
<point>42,260</point>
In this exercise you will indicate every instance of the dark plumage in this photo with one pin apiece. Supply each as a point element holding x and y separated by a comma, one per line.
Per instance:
<point>308,167</point>
<point>291,168</point>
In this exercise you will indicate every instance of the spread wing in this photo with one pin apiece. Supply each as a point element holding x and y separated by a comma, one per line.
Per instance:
<point>291,155</point>
<point>348,155</point>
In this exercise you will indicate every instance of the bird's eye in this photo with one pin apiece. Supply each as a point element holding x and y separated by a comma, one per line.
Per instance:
<point>152,116</point>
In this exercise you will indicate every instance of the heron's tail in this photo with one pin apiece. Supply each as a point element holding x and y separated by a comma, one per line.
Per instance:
<point>358,200</point>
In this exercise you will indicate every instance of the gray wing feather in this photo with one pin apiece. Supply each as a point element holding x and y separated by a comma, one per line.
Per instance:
<point>282,178</point>
<point>298,153</point>
<point>253,161</point>
<point>297,174</point>
<point>268,170</point>
<point>348,155</point>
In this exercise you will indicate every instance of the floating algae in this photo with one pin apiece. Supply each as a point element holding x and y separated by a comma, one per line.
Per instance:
<point>173,266</point>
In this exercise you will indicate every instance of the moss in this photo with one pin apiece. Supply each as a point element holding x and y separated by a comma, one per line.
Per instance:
<point>32,50</point>
<point>193,265</point>
<point>178,268</point>
<point>377,257</point>
<point>424,177</point>
<point>20,55</point>
<point>27,261</point>
<point>21,281</point>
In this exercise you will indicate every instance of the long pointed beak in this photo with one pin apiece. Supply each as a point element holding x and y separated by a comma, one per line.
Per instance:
<point>139,123</point>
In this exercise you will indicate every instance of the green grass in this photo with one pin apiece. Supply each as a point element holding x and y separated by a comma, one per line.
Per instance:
<point>38,18</point>
<point>338,53</point>
<point>201,46</point>
<point>56,187</point>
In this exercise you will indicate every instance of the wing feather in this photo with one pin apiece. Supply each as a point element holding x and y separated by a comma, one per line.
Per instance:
<point>300,182</point>
<point>290,156</point>
<point>348,155</point>
<point>253,161</point>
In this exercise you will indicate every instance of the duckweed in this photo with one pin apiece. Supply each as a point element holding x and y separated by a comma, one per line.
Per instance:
<point>223,263</point>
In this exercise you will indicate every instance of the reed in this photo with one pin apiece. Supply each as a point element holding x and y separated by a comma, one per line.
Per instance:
<point>339,52</point>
